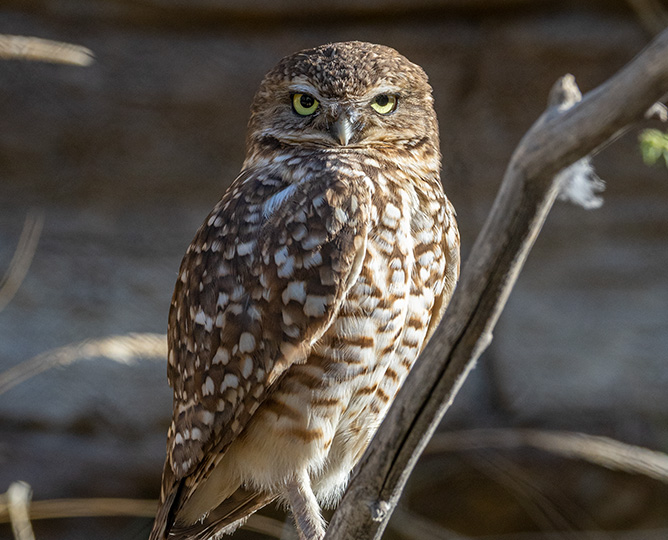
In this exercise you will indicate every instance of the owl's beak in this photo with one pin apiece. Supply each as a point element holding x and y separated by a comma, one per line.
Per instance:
<point>342,129</point>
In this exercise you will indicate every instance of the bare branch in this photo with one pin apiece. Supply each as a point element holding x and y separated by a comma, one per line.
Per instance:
<point>43,50</point>
<point>558,139</point>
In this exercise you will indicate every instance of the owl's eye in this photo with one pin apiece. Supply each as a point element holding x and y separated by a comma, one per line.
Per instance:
<point>384,103</point>
<point>304,105</point>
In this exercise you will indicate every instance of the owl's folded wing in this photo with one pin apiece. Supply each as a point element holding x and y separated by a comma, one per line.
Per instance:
<point>261,282</point>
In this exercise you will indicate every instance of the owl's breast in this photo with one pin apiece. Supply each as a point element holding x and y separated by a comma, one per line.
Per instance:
<point>323,412</point>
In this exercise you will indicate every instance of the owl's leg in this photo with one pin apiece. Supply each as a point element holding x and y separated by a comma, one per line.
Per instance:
<point>305,509</point>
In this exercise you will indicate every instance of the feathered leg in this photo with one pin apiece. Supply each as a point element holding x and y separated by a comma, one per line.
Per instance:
<point>305,509</point>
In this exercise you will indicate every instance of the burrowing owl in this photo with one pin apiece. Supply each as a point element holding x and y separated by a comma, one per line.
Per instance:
<point>307,293</point>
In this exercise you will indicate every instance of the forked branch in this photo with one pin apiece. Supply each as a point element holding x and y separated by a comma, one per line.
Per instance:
<point>564,134</point>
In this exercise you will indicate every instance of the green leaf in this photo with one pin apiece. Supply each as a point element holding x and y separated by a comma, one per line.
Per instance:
<point>654,146</point>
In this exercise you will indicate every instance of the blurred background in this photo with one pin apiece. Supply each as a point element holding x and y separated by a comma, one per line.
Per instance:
<point>106,171</point>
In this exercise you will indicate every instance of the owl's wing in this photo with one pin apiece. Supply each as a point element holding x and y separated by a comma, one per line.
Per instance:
<point>261,282</point>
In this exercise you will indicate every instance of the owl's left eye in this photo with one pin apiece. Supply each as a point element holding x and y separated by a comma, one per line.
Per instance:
<point>384,103</point>
<point>304,104</point>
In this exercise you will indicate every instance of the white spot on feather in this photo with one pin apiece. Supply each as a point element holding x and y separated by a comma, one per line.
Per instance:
<point>247,367</point>
<point>222,356</point>
<point>281,256</point>
<point>207,387</point>
<point>311,260</point>
<point>274,202</point>
<point>230,381</point>
<point>245,248</point>
<point>287,269</point>
<point>315,306</point>
<point>296,290</point>
<point>398,276</point>
<point>203,319</point>
<point>391,216</point>
<point>426,258</point>
<point>340,215</point>
<point>246,342</point>
<point>312,241</point>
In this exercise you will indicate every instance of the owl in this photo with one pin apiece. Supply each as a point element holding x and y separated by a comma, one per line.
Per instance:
<point>308,292</point>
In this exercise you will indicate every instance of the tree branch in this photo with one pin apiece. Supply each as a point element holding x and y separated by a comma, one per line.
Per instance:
<point>561,136</point>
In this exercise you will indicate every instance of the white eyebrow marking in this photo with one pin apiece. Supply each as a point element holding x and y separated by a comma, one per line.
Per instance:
<point>303,88</point>
<point>380,90</point>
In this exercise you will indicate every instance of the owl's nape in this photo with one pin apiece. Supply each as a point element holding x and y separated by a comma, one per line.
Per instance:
<point>307,293</point>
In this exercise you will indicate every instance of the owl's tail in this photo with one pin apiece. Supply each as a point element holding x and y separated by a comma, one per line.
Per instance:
<point>162,518</point>
<point>226,518</point>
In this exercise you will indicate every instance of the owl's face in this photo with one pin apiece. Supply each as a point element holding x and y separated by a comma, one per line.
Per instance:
<point>344,96</point>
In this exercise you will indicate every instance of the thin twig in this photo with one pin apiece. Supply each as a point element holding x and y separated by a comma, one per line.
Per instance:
<point>603,451</point>
<point>93,507</point>
<point>113,507</point>
<point>126,349</point>
<point>44,50</point>
<point>23,255</point>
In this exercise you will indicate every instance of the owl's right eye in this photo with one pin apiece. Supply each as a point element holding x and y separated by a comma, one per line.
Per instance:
<point>304,104</point>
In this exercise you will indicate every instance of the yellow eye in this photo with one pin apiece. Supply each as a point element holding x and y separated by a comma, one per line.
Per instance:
<point>304,104</point>
<point>384,103</point>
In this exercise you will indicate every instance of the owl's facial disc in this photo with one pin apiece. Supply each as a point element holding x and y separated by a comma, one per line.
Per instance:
<point>347,97</point>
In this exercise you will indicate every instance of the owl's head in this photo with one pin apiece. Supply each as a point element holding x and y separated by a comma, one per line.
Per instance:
<point>344,96</point>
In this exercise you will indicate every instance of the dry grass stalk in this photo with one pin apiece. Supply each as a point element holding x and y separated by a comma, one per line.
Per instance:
<point>23,255</point>
<point>603,451</point>
<point>18,509</point>
<point>124,349</point>
<point>101,507</point>
<point>43,50</point>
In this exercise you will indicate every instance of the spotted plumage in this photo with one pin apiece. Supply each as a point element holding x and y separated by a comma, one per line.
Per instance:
<point>307,293</point>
